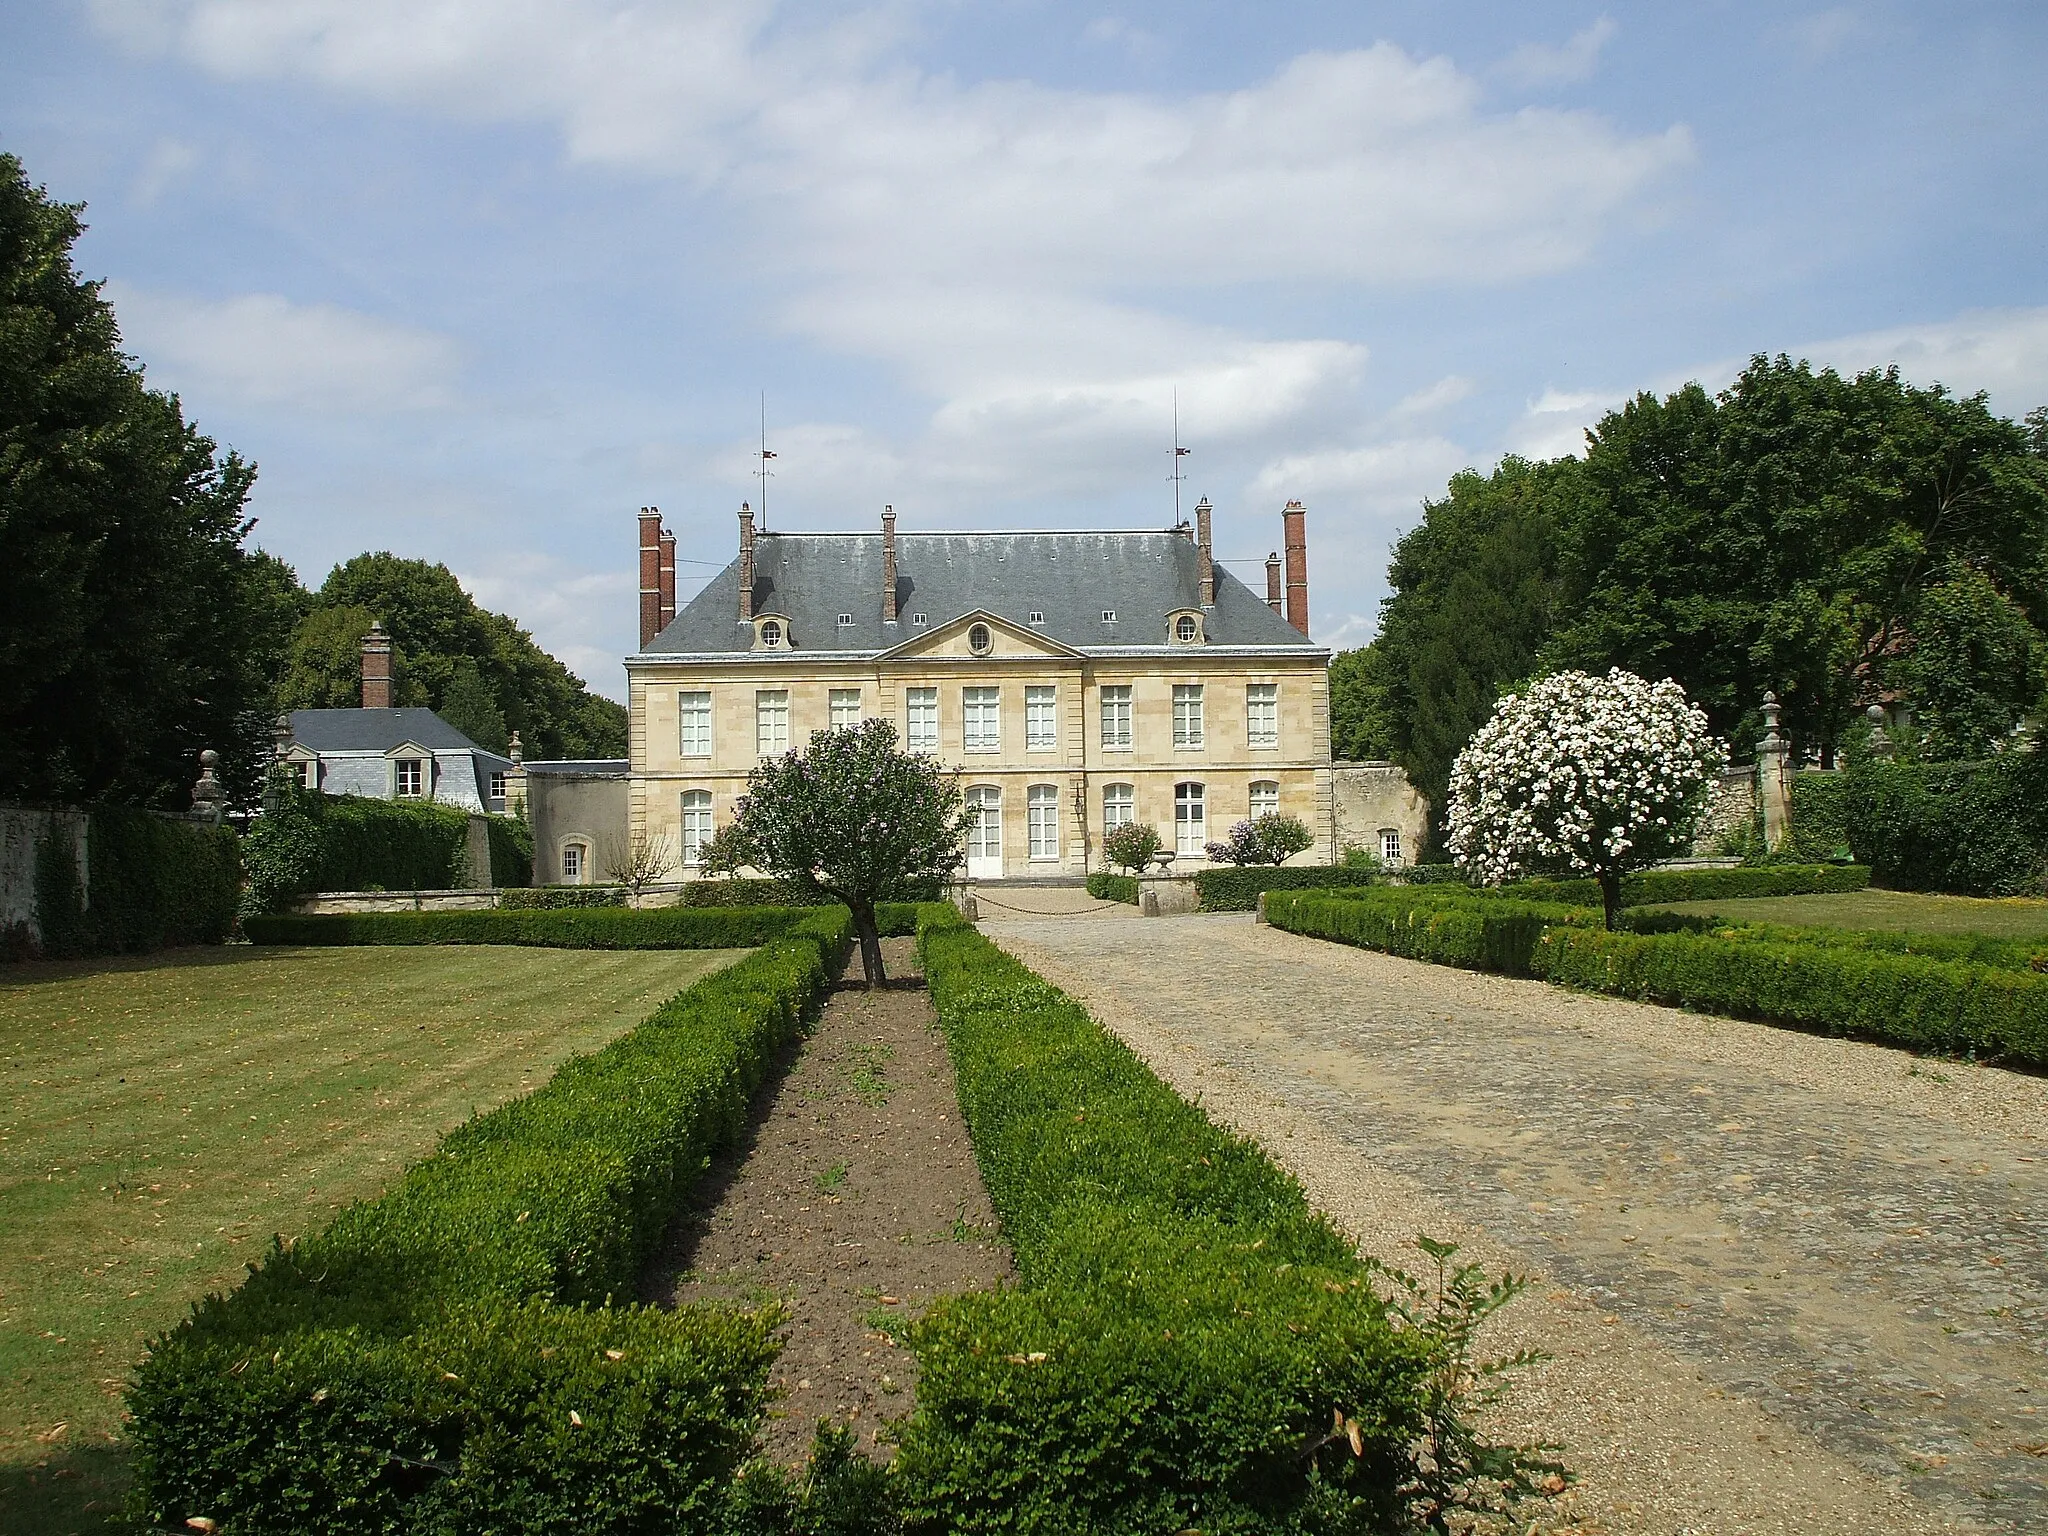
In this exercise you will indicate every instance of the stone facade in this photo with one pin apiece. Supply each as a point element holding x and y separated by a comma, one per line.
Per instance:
<point>1374,807</point>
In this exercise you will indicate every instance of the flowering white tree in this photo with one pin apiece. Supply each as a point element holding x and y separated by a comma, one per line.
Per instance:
<point>1583,775</point>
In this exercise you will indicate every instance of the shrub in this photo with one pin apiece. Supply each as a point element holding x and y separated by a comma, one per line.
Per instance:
<point>1238,890</point>
<point>1131,845</point>
<point>1655,886</point>
<point>1271,839</point>
<point>1974,829</point>
<point>449,1357</point>
<point>311,842</point>
<point>1444,926</point>
<point>1185,1326</point>
<point>151,881</point>
<point>555,898</point>
<point>511,852</point>
<point>1104,886</point>
<point>742,892</point>
<point>573,928</point>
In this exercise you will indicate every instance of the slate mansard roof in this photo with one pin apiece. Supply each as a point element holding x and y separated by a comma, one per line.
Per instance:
<point>378,730</point>
<point>809,579</point>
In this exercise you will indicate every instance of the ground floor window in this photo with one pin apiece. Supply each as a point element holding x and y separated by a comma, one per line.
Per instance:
<point>1390,847</point>
<point>575,863</point>
<point>985,832</point>
<point>696,825</point>
<point>1042,807</point>
<point>1265,798</point>
<point>1119,806</point>
<point>1190,820</point>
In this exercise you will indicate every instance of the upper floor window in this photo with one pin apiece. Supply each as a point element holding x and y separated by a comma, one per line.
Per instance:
<point>844,704</point>
<point>1190,819</point>
<point>1265,798</point>
<point>1119,806</point>
<point>979,640</point>
<point>1037,617</point>
<point>1184,628</point>
<point>498,778</point>
<point>309,773</point>
<point>1109,615</point>
<point>696,825</point>
<point>771,632</point>
<point>1262,714</point>
<point>771,721</point>
<point>846,621</point>
<point>693,712</point>
<point>1187,714</point>
<point>1390,847</point>
<point>921,719</point>
<point>409,776</point>
<point>1116,715</point>
<point>981,719</point>
<point>1041,729</point>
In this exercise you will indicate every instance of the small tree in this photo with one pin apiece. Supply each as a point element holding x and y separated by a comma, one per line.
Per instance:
<point>1583,775</point>
<point>1272,839</point>
<point>852,816</point>
<point>639,861</point>
<point>1131,845</point>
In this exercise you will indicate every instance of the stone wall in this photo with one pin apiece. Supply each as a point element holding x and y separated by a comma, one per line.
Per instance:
<point>1729,811</point>
<point>21,828</point>
<point>1367,799</point>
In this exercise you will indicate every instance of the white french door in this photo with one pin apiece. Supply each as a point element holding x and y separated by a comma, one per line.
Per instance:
<point>985,836</point>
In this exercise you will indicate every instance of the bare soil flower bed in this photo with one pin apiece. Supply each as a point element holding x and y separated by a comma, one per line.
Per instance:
<point>853,1197</point>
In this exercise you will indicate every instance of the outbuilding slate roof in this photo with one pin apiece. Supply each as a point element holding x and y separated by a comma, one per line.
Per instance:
<point>809,579</point>
<point>377,730</point>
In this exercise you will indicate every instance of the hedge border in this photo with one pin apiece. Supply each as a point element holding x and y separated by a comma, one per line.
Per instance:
<point>415,1364</point>
<point>1104,886</point>
<point>1238,889</point>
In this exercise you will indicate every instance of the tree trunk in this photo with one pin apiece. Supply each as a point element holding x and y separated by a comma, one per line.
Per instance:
<point>870,942</point>
<point>1610,894</point>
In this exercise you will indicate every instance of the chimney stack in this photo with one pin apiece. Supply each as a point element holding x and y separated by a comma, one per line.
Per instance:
<point>668,576</point>
<point>889,565</point>
<point>376,668</point>
<point>746,564</point>
<point>1206,559</point>
<point>1273,580</point>
<point>1294,518</point>
<point>650,575</point>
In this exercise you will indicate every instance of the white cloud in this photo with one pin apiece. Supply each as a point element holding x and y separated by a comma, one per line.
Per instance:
<point>2001,351</point>
<point>1554,424</point>
<point>1386,476</point>
<point>165,165</point>
<point>1824,33</point>
<point>1540,64</point>
<point>260,349</point>
<point>1441,395</point>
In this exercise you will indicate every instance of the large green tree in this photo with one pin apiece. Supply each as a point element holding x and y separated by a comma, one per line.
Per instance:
<point>479,669</point>
<point>135,628</point>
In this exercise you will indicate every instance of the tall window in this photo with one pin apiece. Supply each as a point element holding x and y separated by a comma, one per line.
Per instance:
<point>1119,806</point>
<point>921,719</point>
<point>1116,716</point>
<point>1190,820</point>
<point>696,824</point>
<point>845,707</point>
<point>1042,805</point>
<point>693,712</point>
<point>981,714</point>
<point>309,773</point>
<point>1187,714</point>
<point>410,774</point>
<point>1041,731</point>
<point>575,863</point>
<point>771,721</point>
<point>985,831</point>
<point>1265,798</point>
<point>1262,714</point>
<point>1390,847</point>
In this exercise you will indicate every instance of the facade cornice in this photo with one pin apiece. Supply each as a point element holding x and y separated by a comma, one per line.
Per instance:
<point>790,658</point>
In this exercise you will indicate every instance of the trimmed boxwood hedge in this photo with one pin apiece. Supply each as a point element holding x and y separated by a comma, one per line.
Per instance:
<point>454,1355</point>
<point>1239,889</point>
<point>1104,886</point>
<point>151,882</point>
<point>553,898</point>
<point>1185,1324</point>
<point>1956,996</point>
<point>1658,886</point>
<point>743,892</point>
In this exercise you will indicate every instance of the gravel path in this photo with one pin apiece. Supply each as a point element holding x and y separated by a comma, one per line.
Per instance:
<point>1791,1284</point>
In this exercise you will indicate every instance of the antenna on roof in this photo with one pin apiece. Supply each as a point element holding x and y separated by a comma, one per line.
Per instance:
<point>1179,453</point>
<point>764,474</point>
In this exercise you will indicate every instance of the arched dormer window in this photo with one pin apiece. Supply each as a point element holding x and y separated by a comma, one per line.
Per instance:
<point>1184,627</point>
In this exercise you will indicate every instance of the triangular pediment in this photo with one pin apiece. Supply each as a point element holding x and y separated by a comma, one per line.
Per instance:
<point>410,749</point>
<point>949,640</point>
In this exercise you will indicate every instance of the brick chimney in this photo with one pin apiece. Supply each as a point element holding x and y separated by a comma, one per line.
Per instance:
<point>746,564</point>
<point>376,668</point>
<point>1294,518</point>
<point>1205,557</point>
<point>1273,580</point>
<point>668,576</point>
<point>650,574</point>
<point>888,565</point>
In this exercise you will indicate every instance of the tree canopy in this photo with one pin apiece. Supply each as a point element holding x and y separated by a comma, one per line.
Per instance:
<point>135,627</point>
<point>479,670</point>
<point>1835,540</point>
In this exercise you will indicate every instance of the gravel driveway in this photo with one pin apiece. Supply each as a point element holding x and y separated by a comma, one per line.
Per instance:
<point>1791,1284</point>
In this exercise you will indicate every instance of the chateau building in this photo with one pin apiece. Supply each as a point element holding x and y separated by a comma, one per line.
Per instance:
<point>1075,680</point>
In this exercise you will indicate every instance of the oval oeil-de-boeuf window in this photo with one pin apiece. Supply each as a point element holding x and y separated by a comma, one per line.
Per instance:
<point>979,640</point>
<point>771,633</point>
<point>1185,627</point>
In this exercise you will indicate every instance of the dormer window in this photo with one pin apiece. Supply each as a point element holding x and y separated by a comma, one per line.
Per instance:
<point>1184,627</point>
<point>918,618</point>
<point>1109,615</point>
<point>1037,617</point>
<point>408,778</point>
<point>979,640</point>
<point>771,634</point>
<point>846,621</point>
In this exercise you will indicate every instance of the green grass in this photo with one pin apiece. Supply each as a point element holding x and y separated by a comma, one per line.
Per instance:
<point>1887,912</point>
<point>162,1117</point>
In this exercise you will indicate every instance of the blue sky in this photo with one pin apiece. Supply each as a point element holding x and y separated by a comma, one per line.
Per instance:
<point>474,281</point>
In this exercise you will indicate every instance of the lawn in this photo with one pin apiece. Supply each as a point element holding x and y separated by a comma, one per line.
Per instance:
<point>162,1117</point>
<point>1888,911</point>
